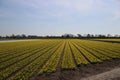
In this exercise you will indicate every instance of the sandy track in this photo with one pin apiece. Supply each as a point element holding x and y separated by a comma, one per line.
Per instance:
<point>3,41</point>
<point>109,75</point>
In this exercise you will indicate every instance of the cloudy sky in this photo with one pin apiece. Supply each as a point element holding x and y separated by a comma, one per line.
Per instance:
<point>56,17</point>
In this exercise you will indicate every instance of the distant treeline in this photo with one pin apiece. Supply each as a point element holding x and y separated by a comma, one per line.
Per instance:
<point>86,36</point>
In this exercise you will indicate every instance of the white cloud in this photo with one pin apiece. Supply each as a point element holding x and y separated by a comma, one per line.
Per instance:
<point>115,12</point>
<point>83,6</point>
<point>61,8</point>
<point>78,5</point>
<point>116,15</point>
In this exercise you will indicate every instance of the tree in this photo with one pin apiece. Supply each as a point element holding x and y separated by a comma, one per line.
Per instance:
<point>88,36</point>
<point>79,35</point>
<point>109,35</point>
<point>12,36</point>
<point>7,36</point>
<point>23,36</point>
<point>67,36</point>
<point>116,36</point>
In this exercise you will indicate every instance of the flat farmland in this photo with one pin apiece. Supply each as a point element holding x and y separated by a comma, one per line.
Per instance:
<point>108,40</point>
<point>55,59</point>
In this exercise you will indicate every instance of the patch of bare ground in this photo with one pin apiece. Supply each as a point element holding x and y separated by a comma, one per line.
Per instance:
<point>84,72</point>
<point>109,75</point>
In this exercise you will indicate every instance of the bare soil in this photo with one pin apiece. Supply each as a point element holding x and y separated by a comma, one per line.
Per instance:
<point>108,70</point>
<point>109,75</point>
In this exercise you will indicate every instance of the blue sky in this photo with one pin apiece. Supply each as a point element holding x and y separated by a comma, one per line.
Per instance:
<point>56,17</point>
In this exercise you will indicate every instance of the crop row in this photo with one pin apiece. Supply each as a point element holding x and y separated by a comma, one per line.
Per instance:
<point>104,50</point>
<point>22,55</point>
<point>79,57</point>
<point>23,62</point>
<point>32,68</point>
<point>15,67</point>
<point>20,51</point>
<point>52,64</point>
<point>14,50</point>
<point>67,62</point>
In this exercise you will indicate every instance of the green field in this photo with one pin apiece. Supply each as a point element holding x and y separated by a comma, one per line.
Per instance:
<point>23,60</point>
<point>108,40</point>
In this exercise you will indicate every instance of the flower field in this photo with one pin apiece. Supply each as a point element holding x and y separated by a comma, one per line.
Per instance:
<point>27,59</point>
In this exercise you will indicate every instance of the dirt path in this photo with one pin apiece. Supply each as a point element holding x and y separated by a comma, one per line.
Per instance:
<point>109,75</point>
<point>4,41</point>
